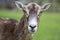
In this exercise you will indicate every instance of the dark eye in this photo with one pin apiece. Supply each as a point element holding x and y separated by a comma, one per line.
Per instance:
<point>41,11</point>
<point>24,11</point>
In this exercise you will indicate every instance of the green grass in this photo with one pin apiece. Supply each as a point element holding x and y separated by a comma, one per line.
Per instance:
<point>49,28</point>
<point>11,14</point>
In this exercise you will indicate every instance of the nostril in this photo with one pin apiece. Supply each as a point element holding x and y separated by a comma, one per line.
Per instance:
<point>32,26</point>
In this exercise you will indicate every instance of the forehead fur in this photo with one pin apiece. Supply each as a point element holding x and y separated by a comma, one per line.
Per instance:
<point>33,6</point>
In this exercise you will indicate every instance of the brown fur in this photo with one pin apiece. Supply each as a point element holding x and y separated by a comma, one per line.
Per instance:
<point>11,29</point>
<point>21,33</point>
<point>7,27</point>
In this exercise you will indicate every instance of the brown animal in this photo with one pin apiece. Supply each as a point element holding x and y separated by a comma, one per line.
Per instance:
<point>11,29</point>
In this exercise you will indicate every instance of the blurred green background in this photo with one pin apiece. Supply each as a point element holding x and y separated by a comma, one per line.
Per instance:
<point>49,27</point>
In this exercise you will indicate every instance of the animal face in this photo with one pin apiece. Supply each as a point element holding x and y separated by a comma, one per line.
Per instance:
<point>32,12</point>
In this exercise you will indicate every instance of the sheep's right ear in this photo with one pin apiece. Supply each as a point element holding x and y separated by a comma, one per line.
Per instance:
<point>19,4</point>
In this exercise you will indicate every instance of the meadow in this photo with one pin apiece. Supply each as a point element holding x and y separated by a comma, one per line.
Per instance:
<point>49,27</point>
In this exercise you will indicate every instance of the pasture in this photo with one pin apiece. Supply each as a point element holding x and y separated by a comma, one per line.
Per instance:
<point>49,27</point>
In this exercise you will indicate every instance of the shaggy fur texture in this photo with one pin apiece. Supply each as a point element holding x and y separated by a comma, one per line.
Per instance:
<point>11,29</point>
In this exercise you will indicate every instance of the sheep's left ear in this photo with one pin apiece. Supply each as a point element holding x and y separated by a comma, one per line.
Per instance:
<point>46,6</point>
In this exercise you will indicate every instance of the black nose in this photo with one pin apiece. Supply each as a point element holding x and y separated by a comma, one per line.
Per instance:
<point>32,26</point>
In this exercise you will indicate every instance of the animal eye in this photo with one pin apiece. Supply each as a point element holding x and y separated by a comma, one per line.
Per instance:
<point>38,16</point>
<point>24,11</point>
<point>41,11</point>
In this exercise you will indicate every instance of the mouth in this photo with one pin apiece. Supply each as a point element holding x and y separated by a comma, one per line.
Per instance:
<point>32,31</point>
